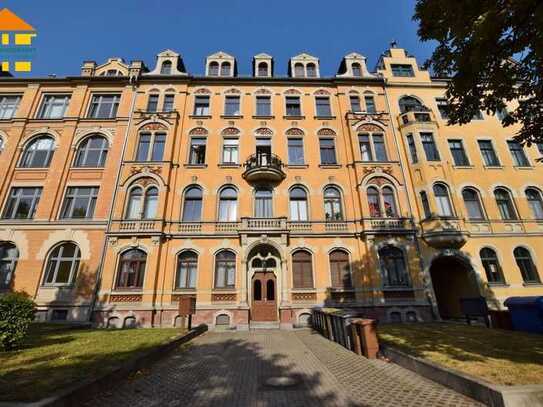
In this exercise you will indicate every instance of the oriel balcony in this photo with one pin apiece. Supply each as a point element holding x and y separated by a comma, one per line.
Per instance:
<point>264,167</point>
<point>444,232</point>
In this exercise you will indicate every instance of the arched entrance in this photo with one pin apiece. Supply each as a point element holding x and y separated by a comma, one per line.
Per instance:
<point>264,263</point>
<point>452,279</point>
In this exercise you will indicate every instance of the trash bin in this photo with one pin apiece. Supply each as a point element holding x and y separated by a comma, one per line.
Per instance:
<point>526,313</point>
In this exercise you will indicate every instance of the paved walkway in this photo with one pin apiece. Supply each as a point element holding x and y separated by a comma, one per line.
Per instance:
<point>233,369</point>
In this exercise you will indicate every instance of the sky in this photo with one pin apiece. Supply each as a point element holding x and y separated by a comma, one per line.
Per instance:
<point>70,32</point>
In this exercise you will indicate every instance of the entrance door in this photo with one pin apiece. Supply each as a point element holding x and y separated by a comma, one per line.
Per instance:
<point>264,297</point>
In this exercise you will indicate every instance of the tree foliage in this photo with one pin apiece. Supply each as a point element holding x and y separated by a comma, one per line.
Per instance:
<point>17,311</point>
<point>493,52</point>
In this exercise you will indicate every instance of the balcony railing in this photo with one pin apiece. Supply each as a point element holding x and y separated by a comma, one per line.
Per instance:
<point>387,224</point>
<point>137,226</point>
<point>421,115</point>
<point>263,223</point>
<point>264,167</point>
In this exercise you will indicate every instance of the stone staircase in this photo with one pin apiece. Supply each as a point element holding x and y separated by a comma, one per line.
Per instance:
<point>254,325</point>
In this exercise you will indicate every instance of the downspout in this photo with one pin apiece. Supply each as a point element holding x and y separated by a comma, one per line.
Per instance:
<point>132,81</point>
<point>430,294</point>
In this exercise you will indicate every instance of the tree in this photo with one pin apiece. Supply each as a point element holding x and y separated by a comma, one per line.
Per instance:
<point>493,52</point>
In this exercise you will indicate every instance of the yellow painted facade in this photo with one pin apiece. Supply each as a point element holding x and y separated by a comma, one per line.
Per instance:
<point>260,196</point>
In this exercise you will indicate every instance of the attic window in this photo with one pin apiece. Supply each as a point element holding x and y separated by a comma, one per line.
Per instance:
<point>225,69</point>
<point>357,71</point>
<point>262,69</point>
<point>166,68</point>
<point>298,70</point>
<point>111,72</point>
<point>311,70</point>
<point>402,70</point>
<point>213,69</point>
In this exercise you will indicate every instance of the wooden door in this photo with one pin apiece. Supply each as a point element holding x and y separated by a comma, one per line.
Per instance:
<point>264,304</point>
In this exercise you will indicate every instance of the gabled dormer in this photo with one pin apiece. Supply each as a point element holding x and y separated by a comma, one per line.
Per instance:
<point>396,65</point>
<point>169,62</point>
<point>304,66</point>
<point>263,66</point>
<point>113,67</point>
<point>221,64</point>
<point>353,65</point>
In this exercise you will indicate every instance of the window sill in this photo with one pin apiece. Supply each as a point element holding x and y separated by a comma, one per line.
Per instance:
<point>532,284</point>
<point>232,165</point>
<point>498,285</point>
<point>146,162</point>
<point>100,118</point>
<point>264,117</point>
<point>300,166</point>
<point>324,117</point>
<point>53,286</point>
<point>331,166</point>
<point>195,165</point>
<point>86,168</point>
<point>342,289</point>
<point>31,169</point>
<point>224,290</point>
<point>184,290</point>
<point>50,118</point>
<point>127,290</point>
<point>463,167</point>
<point>197,116</point>
<point>236,116</point>
<point>294,117</point>
<point>397,288</point>
<point>523,168</point>
<point>304,290</point>
<point>493,167</point>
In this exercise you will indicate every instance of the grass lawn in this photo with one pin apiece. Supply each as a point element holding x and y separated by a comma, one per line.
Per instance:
<point>55,356</point>
<point>498,356</point>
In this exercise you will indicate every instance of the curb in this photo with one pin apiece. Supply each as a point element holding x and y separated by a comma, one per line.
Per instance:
<point>77,394</point>
<point>490,394</point>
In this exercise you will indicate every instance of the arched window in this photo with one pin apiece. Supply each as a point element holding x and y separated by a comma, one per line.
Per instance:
<point>150,203</point>
<point>526,265</point>
<point>298,205</point>
<point>213,68</point>
<point>491,265</point>
<point>62,265</point>
<point>473,204</point>
<point>131,269</point>
<point>134,206</point>
<point>382,202</point>
<point>505,204</point>
<point>187,265</point>
<point>8,261</point>
<point>332,204</point>
<point>262,69</point>
<point>340,269</point>
<point>410,104</point>
<point>225,69</point>
<point>393,267</point>
<point>270,290</point>
<point>357,70</point>
<point>302,269</point>
<point>311,70</point>
<point>38,153</point>
<point>92,152</point>
<point>373,202</point>
<point>225,269</point>
<point>228,205</point>
<point>257,290</point>
<point>1,144</point>
<point>299,70</point>
<point>151,146</point>
<point>192,208</point>
<point>166,68</point>
<point>534,200</point>
<point>443,201</point>
<point>263,203</point>
<point>389,202</point>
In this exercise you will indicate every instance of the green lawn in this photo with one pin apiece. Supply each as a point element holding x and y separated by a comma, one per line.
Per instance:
<point>55,356</point>
<point>498,356</point>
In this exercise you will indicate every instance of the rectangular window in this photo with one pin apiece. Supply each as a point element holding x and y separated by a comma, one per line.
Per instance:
<point>402,70</point>
<point>167,106</point>
<point>201,106</point>
<point>365,147</point>
<point>490,158</point>
<point>370,104</point>
<point>79,202</point>
<point>158,147</point>
<point>429,146</point>
<point>459,155</point>
<point>355,103</point>
<point>425,204</point>
<point>231,106</point>
<point>412,148</point>
<point>197,151</point>
<point>143,147</point>
<point>293,106</point>
<point>379,147</point>
<point>53,106</point>
<point>323,106</point>
<point>152,103</point>
<point>517,152</point>
<point>328,151</point>
<point>104,106</point>
<point>443,108</point>
<point>295,151</point>
<point>230,151</point>
<point>8,106</point>
<point>22,203</point>
<point>263,106</point>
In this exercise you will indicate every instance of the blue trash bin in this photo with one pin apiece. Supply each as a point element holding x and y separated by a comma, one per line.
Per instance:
<point>526,313</point>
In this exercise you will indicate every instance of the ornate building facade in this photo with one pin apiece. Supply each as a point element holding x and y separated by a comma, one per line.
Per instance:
<point>125,189</point>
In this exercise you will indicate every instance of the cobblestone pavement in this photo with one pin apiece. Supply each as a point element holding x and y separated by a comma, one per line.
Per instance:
<point>232,369</point>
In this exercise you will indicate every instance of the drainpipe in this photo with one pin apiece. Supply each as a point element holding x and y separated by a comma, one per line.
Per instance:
<point>132,81</point>
<point>430,294</point>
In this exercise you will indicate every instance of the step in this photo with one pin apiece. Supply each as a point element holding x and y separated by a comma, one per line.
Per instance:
<point>263,325</point>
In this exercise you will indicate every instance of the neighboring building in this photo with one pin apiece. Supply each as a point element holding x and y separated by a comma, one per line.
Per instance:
<point>126,189</point>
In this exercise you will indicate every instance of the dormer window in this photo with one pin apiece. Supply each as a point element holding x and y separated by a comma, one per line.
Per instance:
<point>311,70</point>
<point>166,68</point>
<point>213,69</point>
<point>357,70</point>
<point>262,69</point>
<point>298,70</point>
<point>405,70</point>
<point>225,69</point>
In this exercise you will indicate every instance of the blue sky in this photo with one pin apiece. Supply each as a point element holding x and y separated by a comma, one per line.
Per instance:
<point>72,31</point>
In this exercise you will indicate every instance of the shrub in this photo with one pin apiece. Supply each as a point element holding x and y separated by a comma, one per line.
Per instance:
<point>16,313</point>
